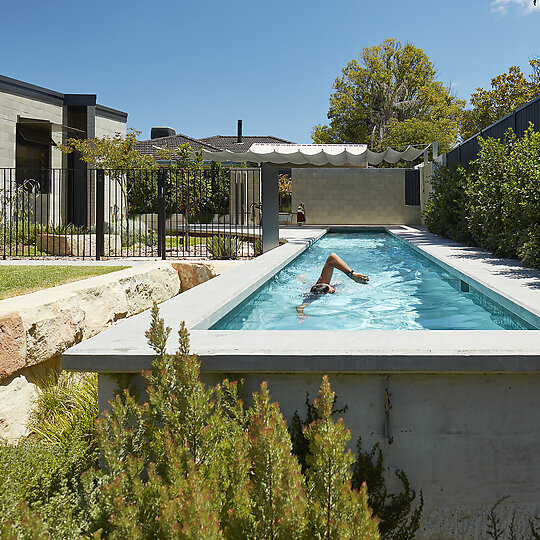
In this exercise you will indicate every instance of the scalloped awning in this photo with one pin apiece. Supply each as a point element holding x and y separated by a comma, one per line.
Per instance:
<point>318,155</point>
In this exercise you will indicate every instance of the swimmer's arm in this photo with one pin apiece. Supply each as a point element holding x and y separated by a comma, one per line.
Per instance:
<point>302,278</point>
<point>305,303</point>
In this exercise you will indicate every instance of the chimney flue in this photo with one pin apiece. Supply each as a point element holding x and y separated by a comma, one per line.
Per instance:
<point>239,132</point>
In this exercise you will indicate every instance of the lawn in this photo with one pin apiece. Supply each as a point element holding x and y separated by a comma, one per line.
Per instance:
<point>22,279</point>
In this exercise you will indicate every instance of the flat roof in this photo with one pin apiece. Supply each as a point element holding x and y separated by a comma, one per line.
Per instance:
<point>14,86</point>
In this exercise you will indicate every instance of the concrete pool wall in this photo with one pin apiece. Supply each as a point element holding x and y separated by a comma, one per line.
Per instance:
<point>464,403</point>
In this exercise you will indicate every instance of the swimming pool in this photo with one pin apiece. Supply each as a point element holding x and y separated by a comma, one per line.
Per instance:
<point>406,292</point>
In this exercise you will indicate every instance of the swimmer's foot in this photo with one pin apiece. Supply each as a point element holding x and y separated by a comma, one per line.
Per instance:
<point>359,278</point>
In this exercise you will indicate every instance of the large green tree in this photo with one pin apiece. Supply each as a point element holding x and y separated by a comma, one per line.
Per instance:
<point>390,95</point>
<point>508,92</point>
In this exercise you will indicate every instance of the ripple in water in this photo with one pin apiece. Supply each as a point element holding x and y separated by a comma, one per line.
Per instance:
<point>406,292</point>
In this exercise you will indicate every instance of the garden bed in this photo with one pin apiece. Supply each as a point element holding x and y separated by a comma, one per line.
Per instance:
<point>77,245</point>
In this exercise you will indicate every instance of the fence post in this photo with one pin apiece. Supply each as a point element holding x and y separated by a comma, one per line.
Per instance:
<point>161,214</point>
<point>100,213</point>
<point>270,207</point>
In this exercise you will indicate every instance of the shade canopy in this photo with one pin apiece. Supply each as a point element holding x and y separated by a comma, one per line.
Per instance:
<point>318,155</point>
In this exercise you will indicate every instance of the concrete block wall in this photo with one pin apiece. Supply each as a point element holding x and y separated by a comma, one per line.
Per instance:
<point>353,196</point>
<point>114,194</point>
<point>109,126</point>
<point>11,106</point>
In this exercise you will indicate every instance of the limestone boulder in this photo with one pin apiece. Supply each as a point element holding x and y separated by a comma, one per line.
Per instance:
<point>17,397</point>
<point>194,273</point>
<point>12,343</point>
<point>39,326</point>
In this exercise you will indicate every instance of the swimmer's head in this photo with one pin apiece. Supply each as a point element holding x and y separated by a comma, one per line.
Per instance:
<point>322,288</point>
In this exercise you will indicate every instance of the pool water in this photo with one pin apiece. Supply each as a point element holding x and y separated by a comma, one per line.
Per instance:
<point>406,291</point>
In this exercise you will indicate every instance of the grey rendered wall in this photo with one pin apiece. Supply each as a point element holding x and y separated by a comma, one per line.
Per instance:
<point>12,106</point>
<point>353,196</point>
<point>466,440</point>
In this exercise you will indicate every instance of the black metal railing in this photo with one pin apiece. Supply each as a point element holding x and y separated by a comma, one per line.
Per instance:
<point>167,213</point>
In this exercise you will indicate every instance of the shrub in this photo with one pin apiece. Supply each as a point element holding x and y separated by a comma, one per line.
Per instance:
<point>41,489</point>
<point>336,510</point>
<point>446,211</point>
<point>496,202</point>
<point>399,517</point>
<point>191,462</point>
<point>223,247</point>
<point>67,405</point>
<point>529,250</point>
<point>257,246</point>
<point>41,492</point>
<point>132,231</point>
<point>18,233</point>
<point>68,229</point>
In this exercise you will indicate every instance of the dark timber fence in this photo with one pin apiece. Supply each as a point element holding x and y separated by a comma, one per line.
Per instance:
<point>518,120</point>
<point>168,213</point>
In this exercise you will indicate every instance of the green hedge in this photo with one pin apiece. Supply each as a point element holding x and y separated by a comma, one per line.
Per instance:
<point>496,202</point>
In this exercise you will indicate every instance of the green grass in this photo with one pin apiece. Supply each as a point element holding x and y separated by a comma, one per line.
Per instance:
<point>23,279</point>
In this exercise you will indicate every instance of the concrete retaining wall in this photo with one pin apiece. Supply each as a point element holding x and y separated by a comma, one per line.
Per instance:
<point>353,196</point>
<point>466,440</point>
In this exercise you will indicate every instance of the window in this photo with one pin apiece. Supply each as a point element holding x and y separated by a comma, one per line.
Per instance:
<point>33,151</point>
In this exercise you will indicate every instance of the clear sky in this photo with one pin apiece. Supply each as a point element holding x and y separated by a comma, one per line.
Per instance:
<point>198,66</point>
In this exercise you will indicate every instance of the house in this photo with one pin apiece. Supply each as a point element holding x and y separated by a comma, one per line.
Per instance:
<point>244,182</point>
<point>170,141</point>
<point>33,121</point>
<point>163,137</point>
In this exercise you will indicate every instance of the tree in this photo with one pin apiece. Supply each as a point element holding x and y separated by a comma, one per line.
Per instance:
<point>389,84</point>
<point>116,152</point>
<point>508,92</point>
<point>123,163</point>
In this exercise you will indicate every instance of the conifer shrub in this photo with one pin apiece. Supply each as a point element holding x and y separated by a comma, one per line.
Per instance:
<point>194,462</point>
<point>399,515</point>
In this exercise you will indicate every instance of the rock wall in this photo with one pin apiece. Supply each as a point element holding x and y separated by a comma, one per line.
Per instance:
<point>193,273</point>
<point>36,328</point>
<point>39,326</point>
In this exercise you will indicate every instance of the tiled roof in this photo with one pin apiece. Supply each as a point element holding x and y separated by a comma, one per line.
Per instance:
<point>228,142</point>
<point>151,146</point>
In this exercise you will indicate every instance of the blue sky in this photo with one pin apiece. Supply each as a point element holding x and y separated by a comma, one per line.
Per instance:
<point>198,66</point>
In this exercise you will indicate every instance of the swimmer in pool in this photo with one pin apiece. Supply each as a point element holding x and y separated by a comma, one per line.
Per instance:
<point>323,283</point>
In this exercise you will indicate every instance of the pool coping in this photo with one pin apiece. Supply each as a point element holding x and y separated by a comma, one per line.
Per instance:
<point>123,347</point>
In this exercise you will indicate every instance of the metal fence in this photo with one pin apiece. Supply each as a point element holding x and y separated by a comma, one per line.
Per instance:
<point>168,213</point>
<point>518,120</point>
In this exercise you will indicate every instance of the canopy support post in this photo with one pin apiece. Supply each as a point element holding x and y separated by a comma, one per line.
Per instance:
<point>270,207</point>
